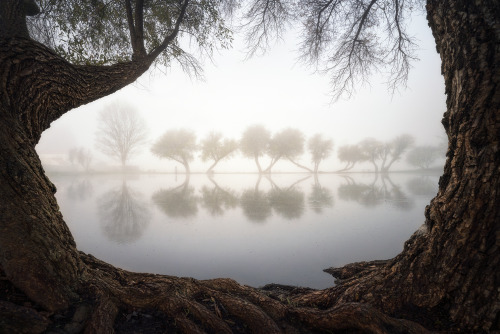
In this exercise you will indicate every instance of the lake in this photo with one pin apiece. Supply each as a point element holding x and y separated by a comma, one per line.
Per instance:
<point>282,229</point>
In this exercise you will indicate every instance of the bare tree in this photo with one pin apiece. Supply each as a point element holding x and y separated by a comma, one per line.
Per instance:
<point>121,132</point>
<point>81,156</point>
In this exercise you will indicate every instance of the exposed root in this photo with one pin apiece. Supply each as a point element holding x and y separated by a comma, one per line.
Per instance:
<point>118,301</point>
<point>355,270</point>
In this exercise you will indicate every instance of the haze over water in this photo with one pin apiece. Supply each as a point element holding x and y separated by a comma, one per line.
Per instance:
<point>282,229</point>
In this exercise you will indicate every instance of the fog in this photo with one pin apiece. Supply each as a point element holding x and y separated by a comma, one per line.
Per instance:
<point>273,90</point>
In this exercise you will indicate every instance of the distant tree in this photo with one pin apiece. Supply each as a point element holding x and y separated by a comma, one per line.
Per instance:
<point>80,156</point>
<point>121,132</point>
<point>373,150</point>
<point>423,156</point>
<point>320,149</point>
<point>288,144</point>
<point>395,149</point>
<point>351,155</point>
<point>254,143</point>
<point>178,145</point>
<point>215,148</point>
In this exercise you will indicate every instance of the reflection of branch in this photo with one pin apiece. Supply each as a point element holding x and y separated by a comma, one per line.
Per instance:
<point>320,197</point>
<point>177,202</point>
<point>123,215</point>
<point>217,198</point>
<point>422,186</point>
<point>371,195</point>
<point>289,203</point>
<point>299,181</point>
<point>80,190</point>
<point>255,204</point>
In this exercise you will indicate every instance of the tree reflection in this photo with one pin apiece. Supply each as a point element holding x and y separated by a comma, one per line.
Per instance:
<point>80,189</point>
<point>320,197</point>
<point>395,195</point>
<point>365,194</point>
<point>123,214</point>
<point>216,199</point>
<point>371,195</point>
<point>288,202</point>
<point>422,186</point>
<point>255,203</point>
<point>178,202</point>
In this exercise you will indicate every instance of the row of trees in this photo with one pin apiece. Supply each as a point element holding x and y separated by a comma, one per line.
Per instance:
<point>382,155</point>
<point>122,132</point>
<point>256,142</point>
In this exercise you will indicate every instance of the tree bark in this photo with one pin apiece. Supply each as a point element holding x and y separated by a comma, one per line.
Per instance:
<point>452,261</point>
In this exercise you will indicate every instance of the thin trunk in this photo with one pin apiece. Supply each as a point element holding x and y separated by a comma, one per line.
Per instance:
<point>256,157</point>
<point>375,166</point>
<point>271,164</point>
<point>210,169</point>
<point>300,166</point>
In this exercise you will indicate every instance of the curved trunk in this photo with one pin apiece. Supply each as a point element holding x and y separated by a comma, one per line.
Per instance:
<point>463,219</point>
<point>256,158</point>
<point>452,261</point>
<point>37,250</point>
<point>37,87</point>
<point>301,166</point>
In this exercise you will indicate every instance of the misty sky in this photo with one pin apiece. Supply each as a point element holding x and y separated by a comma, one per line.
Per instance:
<point>274,90</point>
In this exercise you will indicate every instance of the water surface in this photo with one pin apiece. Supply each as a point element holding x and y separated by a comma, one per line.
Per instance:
<point>282,229</point>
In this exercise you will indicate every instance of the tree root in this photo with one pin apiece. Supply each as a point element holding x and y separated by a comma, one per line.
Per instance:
<point>114,300</point>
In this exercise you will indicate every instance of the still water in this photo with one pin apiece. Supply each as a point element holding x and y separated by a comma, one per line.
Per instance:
<point>282,229</point>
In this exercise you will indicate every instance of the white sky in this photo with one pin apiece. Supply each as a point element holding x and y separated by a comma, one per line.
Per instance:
<point>273,90</point>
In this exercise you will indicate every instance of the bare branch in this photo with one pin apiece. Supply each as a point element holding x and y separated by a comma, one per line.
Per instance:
<point>265,21</point>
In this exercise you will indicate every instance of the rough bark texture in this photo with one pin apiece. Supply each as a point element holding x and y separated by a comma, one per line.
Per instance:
<point>450,264</point>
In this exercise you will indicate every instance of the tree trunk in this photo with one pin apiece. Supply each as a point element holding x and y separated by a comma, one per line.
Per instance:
<point>452,262</point>
<point>302,166</point>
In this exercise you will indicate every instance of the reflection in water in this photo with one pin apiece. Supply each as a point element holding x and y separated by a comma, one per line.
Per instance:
<point>395,195</point>
<point>225,238</point>
<point>255,205</point>
<point>375,194</point>
<point>216,200</point>
<point>288,203</point>
<point>80,189</point>
<point>320,198</point>
<point>178,202</point>
<point>422,186</point>
<point>123,214</point>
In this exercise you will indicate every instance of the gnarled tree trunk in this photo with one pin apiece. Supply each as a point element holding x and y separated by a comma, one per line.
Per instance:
<point>450,264</point>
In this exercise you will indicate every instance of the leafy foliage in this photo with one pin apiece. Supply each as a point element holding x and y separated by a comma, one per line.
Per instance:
<point>103,32</point>
<point>178,145</point>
